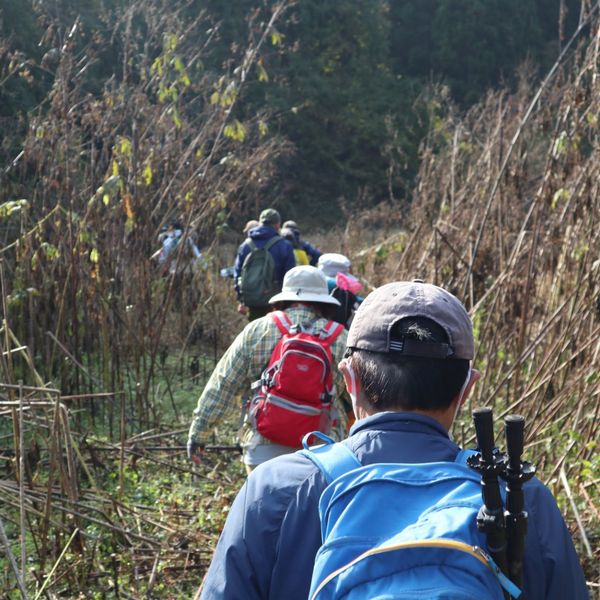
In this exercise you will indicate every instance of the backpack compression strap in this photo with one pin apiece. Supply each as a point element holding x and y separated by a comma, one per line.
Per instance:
<point>333,459</point>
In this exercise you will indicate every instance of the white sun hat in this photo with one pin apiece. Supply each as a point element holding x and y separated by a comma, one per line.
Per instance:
<point>304,284</point>
<point>331,264</point>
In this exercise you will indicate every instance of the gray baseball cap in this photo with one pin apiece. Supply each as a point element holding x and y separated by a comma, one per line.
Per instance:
<point>390,303</point>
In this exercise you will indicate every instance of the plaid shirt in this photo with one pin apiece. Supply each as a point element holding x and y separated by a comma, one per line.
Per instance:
<point>243,363</point>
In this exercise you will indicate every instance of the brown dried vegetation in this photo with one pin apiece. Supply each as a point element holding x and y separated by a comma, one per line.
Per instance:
<point>505,214</point>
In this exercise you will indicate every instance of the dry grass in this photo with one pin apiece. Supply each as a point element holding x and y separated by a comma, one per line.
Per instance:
<point>505,214</point>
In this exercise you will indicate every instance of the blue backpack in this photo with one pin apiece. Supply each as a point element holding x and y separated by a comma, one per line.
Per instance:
<point>400,531</point>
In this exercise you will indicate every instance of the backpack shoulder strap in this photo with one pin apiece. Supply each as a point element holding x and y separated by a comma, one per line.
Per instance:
<point>331,331</point>
<point>283,322</point>
<point>333,459</point>
<point>272,242</point>
<point>251,244</point>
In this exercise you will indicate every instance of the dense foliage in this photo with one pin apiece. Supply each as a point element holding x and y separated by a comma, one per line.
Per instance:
<point>343,81</point>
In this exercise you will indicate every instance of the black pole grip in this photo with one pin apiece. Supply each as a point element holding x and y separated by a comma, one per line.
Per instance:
<point>514,426</point>
<point>484,430</point>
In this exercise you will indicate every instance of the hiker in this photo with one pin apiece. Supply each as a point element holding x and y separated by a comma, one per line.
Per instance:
<point>312,252</point>
<point>299,253</point>
<point>230,271</point>
<point>343,286</point>
<point>261,263</point>
<point>166,255</point>
<point>408,371</point>
<point>251,224</point>
<point>301,307</point>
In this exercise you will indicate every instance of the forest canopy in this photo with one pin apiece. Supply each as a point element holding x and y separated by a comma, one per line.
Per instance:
<point>345,83</point>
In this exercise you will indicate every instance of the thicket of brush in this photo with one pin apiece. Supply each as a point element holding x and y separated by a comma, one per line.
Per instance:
<point>505,214</point>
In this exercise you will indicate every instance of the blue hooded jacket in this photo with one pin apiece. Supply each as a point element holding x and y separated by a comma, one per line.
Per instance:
<point>272,534</point>
<point>282,252</point>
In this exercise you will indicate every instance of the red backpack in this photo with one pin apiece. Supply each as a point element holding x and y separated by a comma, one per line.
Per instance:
<point>296,388</point>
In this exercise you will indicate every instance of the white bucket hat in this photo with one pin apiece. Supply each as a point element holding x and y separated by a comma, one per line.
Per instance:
<point>304,284</point>
<point>331,264</point>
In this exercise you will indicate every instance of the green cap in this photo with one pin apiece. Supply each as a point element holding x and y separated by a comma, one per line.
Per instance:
<point>270,215</point>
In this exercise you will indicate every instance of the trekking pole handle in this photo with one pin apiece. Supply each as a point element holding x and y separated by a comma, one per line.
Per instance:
<point>484,430</point>
<point>514,427</point>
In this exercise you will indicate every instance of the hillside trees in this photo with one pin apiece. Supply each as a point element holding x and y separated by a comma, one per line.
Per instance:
<point>343,81</point>
<point>475,45</point>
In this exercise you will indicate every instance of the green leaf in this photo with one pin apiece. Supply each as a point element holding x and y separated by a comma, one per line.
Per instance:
<point>157,66</point>
<point>170,42</point>
<point>559,144</point>
<point>276,37</point>
<point>94,255</point>
<point>235,131</point>
<point>125,147</point>
<point>592,119</point>
<point>178,64</point>
<point>50,251</point>
<point>11,207</point>
<point>262,73</point>
<point>559,195</point>
<point>175,117</point>
<point>381,251</point>
<point>147,174</point>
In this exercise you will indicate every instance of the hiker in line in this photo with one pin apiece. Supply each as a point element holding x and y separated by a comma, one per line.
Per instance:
<point>343,286</point>
<point>312,252</point>
<point>408,372</point>
<point>230,271</point>
<point>251,224</point>
<point>304,304</point>
<point>167,256</point>
<point>258,275</point>
<point>299,253</point>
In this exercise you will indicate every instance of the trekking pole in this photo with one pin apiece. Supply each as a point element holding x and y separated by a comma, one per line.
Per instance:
<point>515,475</point>
<point>488,462</point>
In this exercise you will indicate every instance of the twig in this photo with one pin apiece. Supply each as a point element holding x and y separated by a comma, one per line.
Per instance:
<point>584,538</point>
<point>12,561</point>
<point>64,550</point>
<point>21,454</point>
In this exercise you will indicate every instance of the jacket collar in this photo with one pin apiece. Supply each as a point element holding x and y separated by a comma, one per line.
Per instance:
<point>398,421</point>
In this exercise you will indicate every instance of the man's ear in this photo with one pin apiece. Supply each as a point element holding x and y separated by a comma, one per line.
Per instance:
<point>350,379</point>
<point>460,398</point>
<point>474,376</point>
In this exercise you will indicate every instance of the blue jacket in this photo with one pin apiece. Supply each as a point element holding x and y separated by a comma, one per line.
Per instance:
<point>313,253</point>
<point>272,533</point>
<point>282,252</point>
